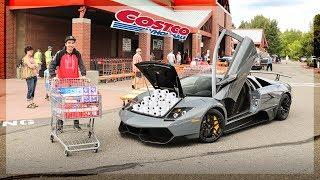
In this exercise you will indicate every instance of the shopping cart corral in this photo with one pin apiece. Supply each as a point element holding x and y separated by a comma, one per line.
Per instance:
<point>75,100</point>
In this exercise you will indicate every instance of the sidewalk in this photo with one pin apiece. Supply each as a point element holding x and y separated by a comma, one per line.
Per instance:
<point>16,98</point>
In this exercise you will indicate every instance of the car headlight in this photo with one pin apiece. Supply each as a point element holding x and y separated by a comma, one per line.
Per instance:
<point>178,112</point>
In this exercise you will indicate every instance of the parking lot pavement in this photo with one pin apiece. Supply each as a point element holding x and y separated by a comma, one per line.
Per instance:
<point>274,147</point>
<point>16,101</point>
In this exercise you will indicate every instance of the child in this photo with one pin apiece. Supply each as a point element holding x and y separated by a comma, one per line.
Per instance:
<point>47,82</point>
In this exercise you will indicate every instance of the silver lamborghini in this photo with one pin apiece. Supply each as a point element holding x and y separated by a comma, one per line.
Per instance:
<point>240,100</point>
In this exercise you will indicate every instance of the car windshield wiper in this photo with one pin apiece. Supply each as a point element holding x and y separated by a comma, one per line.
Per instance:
<point>189,94</point>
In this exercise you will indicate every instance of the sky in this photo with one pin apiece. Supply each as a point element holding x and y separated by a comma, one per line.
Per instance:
<point>290,14</point>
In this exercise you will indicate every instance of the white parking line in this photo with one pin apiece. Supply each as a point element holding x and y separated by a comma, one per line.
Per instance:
<point>305,84</point>
<point>26,122</point>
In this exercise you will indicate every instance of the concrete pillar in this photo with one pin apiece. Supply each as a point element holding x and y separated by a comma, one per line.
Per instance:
<point>167,46</point>
<point>81,30</point>
<point>214,33</point>
<point>196,44</point>
<point>229,43</point>
<point>145,44</point>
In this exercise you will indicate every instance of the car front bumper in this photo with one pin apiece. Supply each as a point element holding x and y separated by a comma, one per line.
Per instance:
<point>157,130</point>
<point>149,135</point>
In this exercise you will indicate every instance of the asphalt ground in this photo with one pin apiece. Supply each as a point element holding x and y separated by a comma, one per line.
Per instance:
<point>286,147</point>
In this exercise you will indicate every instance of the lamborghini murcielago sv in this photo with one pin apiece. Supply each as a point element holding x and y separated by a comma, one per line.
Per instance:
<point>241,100</point>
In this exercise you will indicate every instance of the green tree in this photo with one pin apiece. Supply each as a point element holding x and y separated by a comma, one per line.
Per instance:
<point>306,44</point>
<point>294,49</point>
<point>287,38</point>
<point>296,44</point>
<point>270,28</point>
<point>244,25</point>
<point>273,37</point>
<point>316,33</point>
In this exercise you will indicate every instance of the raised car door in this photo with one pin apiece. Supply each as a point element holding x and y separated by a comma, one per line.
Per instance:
<point>242,61</point>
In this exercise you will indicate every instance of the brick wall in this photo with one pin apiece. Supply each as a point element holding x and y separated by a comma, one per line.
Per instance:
<point>42,31</point>
<point>167,47</point>
<point>144,44</point>
<point>81,30</point>
<point>229,44</point>
<point>2,56</point>
<point>26,29</point>
<point>196,48</point>
<point>219,15</point>
<point>223,19</point>
<point>10,44</point>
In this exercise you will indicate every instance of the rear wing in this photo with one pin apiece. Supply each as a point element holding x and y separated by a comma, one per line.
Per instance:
<point>278,75</point>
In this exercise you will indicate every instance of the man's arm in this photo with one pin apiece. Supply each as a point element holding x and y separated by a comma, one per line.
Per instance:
<point>81,65</point>
<point>54,63</point>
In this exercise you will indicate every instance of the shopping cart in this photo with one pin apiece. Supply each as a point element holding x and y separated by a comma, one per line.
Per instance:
<point>74,99</point>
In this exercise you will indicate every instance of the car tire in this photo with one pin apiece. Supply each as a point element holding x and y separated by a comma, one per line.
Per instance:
<point>284,107</point>
<point>212,126</point>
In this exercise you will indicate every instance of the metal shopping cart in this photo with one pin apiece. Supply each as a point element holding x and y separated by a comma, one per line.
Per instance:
<point>74,99</point>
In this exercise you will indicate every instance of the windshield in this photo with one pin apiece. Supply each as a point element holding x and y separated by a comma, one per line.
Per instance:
<point>199,86</point>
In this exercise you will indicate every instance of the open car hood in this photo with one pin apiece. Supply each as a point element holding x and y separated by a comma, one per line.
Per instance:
<point>161,76</point>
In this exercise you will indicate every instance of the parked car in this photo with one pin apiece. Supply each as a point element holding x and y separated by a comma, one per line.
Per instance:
<point>257,64</point>
<point>241,100</point>
<point>264,62</point>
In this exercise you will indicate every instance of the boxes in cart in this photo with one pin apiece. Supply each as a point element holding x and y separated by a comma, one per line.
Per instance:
<point>90,110</point>
<point>90,99</point>
<point>86,94</point>
<point>81,111</point>
<point>90,90</point>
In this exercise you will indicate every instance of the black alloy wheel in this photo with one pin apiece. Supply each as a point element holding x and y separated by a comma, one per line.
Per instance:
<point>212,126</point>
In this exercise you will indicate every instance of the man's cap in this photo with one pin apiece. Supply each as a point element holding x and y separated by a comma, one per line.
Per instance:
<point>69,38</point>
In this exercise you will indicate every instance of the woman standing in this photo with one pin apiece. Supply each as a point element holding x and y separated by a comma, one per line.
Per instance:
<point>31,75</point>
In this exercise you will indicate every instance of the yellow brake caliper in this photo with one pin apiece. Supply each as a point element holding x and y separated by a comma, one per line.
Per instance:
<point>215,124</point>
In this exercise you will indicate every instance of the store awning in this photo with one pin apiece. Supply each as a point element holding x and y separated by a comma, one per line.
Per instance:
<point>27,4</point>
<point>192,18</point>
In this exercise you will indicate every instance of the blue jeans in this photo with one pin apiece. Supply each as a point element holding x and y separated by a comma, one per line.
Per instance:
<point>31,83</point>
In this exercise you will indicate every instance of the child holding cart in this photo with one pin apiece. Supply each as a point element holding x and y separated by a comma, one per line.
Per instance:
<point>47,82</point>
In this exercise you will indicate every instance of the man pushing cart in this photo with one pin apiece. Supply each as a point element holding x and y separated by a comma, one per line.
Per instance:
<point>73,97</point>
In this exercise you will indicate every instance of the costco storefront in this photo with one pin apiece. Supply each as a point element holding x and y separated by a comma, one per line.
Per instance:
<point>112,30</point>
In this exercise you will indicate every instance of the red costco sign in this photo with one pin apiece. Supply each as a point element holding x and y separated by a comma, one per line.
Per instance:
<point>132,20</point>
